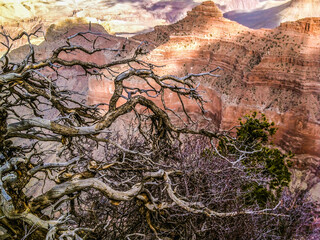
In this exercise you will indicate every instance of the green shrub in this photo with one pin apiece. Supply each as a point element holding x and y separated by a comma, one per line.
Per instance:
<point>252,148</point>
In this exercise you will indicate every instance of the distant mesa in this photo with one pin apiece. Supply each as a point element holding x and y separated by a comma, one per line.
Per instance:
<point>208,9</point>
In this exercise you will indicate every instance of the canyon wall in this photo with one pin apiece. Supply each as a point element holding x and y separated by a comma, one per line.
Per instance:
<point>273,71</point>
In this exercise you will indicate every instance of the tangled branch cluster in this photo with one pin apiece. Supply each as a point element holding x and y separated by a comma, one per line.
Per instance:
<point>67,174</point>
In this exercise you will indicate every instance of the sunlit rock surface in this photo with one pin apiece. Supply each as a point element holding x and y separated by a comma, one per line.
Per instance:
<point>273,71</point>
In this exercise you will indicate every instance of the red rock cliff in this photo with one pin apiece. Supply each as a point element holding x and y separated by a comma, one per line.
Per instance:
<point>273,71</point>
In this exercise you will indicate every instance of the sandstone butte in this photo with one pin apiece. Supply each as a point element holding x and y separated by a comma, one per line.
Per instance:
<point>275,71</point>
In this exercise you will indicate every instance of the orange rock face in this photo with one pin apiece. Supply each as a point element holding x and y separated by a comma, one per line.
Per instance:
<point>307,25</point>
<point>207,8</point>
<point>273,71</point>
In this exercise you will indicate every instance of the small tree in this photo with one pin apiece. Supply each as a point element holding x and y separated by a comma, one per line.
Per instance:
<point>95,183</point>
<point>251,148</point>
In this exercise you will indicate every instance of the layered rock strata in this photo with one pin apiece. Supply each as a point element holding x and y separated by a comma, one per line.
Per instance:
<point>273,71</point>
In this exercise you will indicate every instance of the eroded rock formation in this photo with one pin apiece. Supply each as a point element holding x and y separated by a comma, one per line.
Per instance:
<point>273,71</point>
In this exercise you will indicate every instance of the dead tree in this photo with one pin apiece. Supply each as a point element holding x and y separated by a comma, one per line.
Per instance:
<point>48,139</point>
